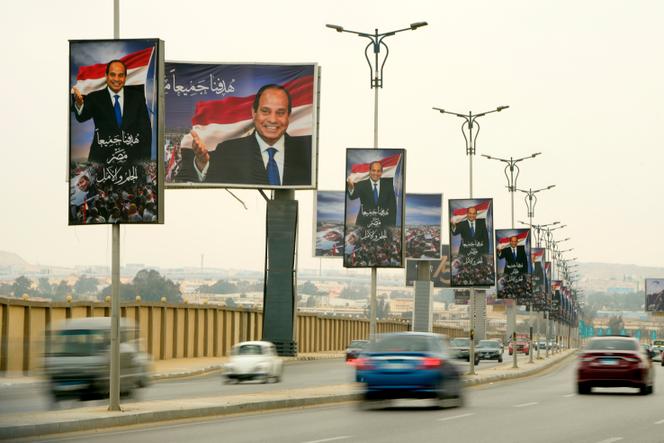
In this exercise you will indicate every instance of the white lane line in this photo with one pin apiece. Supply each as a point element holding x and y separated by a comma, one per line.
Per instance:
<point>523,405</point>
<point>454,417</point>
<point>569,395</point>
<point>341,437</point>
<point>659,422</point>
<point>610,440</point>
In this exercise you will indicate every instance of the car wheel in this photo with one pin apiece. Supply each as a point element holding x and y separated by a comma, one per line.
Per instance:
<point>583,389</point>
<point>643,389</point>
<point>510,352</point>
<point>662,361</point>
<point>231,381</point>
<point>500,359</point>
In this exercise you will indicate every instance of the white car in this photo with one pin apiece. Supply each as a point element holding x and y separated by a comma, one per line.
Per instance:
<point>254,360</point>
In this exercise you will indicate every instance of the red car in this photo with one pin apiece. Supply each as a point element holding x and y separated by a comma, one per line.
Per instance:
<point>614,362</point>
<point>521,346</point>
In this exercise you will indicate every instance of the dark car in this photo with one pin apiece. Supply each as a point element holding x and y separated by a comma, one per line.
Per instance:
<point>354,349</point>
<point>614,362</point>
<point>409,365</point>
<point>460,347</point>
<point>489,350</point>
<point>657,349</point>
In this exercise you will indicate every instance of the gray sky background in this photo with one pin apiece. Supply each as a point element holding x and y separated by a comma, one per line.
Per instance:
<point>584,81</point>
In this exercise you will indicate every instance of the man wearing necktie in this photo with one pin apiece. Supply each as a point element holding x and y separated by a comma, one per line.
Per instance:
<point>267,157</point>
<point>123,133</point>
<point>516,260</point>
<point>377,198</point>
<point>473,232</point>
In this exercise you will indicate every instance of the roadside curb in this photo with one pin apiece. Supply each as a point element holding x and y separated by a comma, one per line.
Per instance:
<point>522,372</point>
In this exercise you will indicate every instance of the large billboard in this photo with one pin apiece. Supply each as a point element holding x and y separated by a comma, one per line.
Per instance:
<point>513,265</point>
<point>540,302</point>
<point>374,208</point>
<point>556,298</point>
<point>471,242</point>
<point>241,125</point>
<point>424,213</point>
<point>655,294</point>
<point>439,269</point>
<point>115,167</point>
<point>329,224</point>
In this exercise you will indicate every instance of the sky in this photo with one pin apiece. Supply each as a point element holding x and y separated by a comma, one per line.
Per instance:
<point>583,80</point>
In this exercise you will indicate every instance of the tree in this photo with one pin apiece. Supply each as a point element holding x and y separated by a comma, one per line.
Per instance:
<point>22,285</point>
<point>382,308</point>
<point>44,287</point>
<point>309,288</point>
<point>85,286</point>
<point>230,303</point>
<point>220,287</point>
<point>616,324</point>
<point>61,290</point>
<point>151,286</point>
<point>127,292</point>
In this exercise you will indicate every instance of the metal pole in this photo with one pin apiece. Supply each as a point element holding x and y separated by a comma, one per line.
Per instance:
<point>473,304</point>
<point>114,381</point>
<point>374,271</point>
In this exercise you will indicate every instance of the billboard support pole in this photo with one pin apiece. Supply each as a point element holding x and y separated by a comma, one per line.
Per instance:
<point>114,380</point>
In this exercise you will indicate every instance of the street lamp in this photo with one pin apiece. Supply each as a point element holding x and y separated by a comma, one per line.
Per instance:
<point>539,228</point>
<point>376,40</point>
<point>511,178</point>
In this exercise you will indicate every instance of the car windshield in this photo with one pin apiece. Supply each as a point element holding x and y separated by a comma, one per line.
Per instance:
<point>79,342</point>
<point>248,350</point>
<point>403,343</point>
<point>459,342</point>
<point>612,345</point>
<point>488,344</point>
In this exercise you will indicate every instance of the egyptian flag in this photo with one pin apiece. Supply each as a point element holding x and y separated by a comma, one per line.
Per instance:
<point>217,120</point>
<point>459,214</point>
<point>504,242</point>
<point>360,171</point>
<point>537,254</point>
<point>93,77</point>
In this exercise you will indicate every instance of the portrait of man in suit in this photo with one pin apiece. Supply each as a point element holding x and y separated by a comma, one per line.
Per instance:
<point>516,260</point>
<point>377,198</point>
<point>473,232</point>
<point>268,156</point>
<point>123,133</point>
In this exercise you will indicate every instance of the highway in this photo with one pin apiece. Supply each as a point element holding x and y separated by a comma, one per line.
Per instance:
<point>543,408</point>
<point>297,374</point>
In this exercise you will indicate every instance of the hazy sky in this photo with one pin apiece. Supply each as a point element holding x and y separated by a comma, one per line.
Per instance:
<point>584,81</point>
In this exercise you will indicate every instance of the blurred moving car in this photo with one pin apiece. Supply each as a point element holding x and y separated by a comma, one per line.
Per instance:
<point>251,360</point>
<point>489,350</point>
<point>614,361</point>
<point>77,363</point>
<point>410,365</point>
<point>657,349</point>
<point>541,345</point>
<point>521,345</point>
<point>460,347</point>
<point>354,349</point>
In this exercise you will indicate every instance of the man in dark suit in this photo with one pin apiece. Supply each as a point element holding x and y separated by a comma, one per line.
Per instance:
<point>473,232</point>
<point>268,156</point>
<point>515,257</point>
<point>377,198</point>
<point>123,133</point>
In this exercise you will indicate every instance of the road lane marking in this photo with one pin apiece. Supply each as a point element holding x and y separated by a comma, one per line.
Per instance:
<point>454,417</point>
<point>659,422</point>
<point>610,440</point>
<point>341,437</point>
<point>569,395</point>
<point>523,405</point>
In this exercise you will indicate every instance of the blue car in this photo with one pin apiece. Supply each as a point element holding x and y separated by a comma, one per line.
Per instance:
<point>410,365</point>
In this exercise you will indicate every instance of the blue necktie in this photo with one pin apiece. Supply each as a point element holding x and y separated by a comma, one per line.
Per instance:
<point>118,111</point>
<point>472,229</point>
<point>375,194</point>
<point>514,254</point>
<point>272,168</point>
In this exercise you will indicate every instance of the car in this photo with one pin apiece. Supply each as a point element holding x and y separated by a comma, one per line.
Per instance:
<point>489,350</point>
<point>77,361</point>
<point>657,349</point>
<point>614,361</point>
<point>460,347</point>
<point>354,349</point>
<point>540,345</point>
<point>253,360</point>
<point>409,365</point>
<point>521,346</point>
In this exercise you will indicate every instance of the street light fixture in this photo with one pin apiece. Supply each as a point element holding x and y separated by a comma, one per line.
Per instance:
<point>511,178</point>
<point>376,40</point>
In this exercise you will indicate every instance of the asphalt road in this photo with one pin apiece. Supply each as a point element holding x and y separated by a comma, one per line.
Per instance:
<point>298,374</point>
<point>543,408</point>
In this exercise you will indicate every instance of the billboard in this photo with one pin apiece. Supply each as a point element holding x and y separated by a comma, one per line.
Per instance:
<point>424,213</point>
<point>539,279</point>
<point>374,208</point>
<point>513,265</point>
<point>654,295</point>
<point>115,127</point>
<point>440,269</point>
<point>556,298</point>
<point>471,242</point>
<point>239,125</point>
<point>328,224</point>
<point>547,276</point>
